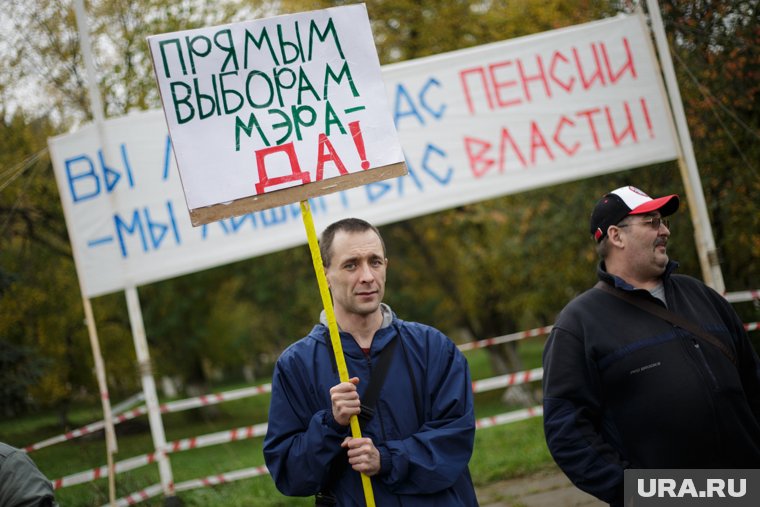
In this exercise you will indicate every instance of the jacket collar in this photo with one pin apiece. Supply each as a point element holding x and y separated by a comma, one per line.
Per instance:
<point>350,347</point>
<point>386,311</point>
<point>616,281</point>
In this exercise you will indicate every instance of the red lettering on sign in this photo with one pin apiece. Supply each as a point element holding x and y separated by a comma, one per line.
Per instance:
<point>327,153</point>
<point>356,134</point>
<point>296,174</point>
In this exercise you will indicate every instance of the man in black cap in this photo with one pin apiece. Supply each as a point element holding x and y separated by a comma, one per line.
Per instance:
<point>648,369</point>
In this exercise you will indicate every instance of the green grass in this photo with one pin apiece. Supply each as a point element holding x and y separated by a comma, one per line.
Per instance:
<point>500,452</point>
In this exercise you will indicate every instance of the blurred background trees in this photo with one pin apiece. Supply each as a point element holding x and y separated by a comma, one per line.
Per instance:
<point>477,271</point>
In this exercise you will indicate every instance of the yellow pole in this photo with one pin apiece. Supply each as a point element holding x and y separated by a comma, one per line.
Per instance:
<point>332,325</point>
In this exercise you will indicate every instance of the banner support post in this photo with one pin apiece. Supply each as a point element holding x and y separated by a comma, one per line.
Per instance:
<point>151,398</point>
<point>708,255</point>
<point>100,371</point>
<point>332,325</point>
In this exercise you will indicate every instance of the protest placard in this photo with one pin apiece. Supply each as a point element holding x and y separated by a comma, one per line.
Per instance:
<point>273,111</point>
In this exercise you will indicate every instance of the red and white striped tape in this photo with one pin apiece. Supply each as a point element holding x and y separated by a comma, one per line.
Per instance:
<point>509,417</point>
<point>488,342</point>
<point>510,379</point>
<point>258,430</point>
<point>102,471</point>
<point>212,480</point>
<point>246,473</point>
<point>140,496</point>
<point>247,432</point>
<point>90,428</point>
<point>186,444</point>
<point>742,296</point>
<point>211,399</point>
<point>172,406</point>
<point>244,433</point>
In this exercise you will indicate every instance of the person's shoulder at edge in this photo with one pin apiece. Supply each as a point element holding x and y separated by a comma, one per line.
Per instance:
<point>310,340</point>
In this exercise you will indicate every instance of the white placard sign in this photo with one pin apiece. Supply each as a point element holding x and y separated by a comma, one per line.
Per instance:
<point>286,102</point>
<point>474,124</point>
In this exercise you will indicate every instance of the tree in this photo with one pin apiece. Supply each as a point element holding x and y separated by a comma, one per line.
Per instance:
<point>716,49</point>
<point>36,261</point>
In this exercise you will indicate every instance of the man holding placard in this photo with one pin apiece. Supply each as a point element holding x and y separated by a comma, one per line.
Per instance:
<point>410,388</point>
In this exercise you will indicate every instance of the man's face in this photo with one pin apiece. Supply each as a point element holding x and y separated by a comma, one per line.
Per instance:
<point>356,274</point>
<point>646,248</point>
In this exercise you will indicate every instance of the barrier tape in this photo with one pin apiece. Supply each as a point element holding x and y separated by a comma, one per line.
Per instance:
<point>510,379</point>
<point>97,473</point>
<point>488,342</point>
<point>742,296</point>
<point>246,473</point>
<point>509,417</point>
<point>173,406</point>
<point>211,399</point>
<point>244,433</point>
<point>212,480</point>
<point>90,428</point>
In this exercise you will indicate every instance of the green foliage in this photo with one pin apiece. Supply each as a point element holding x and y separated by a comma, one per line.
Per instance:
<point>19,370</point>
<point>406,29</point>
<point>37,269</point>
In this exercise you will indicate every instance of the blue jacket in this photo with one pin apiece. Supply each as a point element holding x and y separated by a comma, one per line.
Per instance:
<point>423,463</point>
<point>626,389</point>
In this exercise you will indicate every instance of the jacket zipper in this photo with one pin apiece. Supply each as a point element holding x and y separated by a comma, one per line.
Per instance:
<point>704,363</point>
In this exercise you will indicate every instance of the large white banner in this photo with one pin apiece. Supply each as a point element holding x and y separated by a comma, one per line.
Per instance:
<point>474,124</point>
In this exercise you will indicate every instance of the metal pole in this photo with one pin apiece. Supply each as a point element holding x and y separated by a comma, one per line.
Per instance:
<point>708,256</point>
<point>149,388</point>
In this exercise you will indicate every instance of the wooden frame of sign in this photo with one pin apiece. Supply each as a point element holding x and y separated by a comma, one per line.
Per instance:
<point>208,214</point>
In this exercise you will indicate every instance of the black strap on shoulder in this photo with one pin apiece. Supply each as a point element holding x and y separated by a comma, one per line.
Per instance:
<point>668,316</point>
<point>376,381</point>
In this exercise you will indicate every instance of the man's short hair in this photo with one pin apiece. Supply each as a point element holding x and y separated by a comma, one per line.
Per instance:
<point>603,248</point>
<point>348,225</point>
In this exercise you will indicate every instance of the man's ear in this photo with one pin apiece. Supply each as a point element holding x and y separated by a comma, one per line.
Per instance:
<point>326,276</point>
<point>615,237</point>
